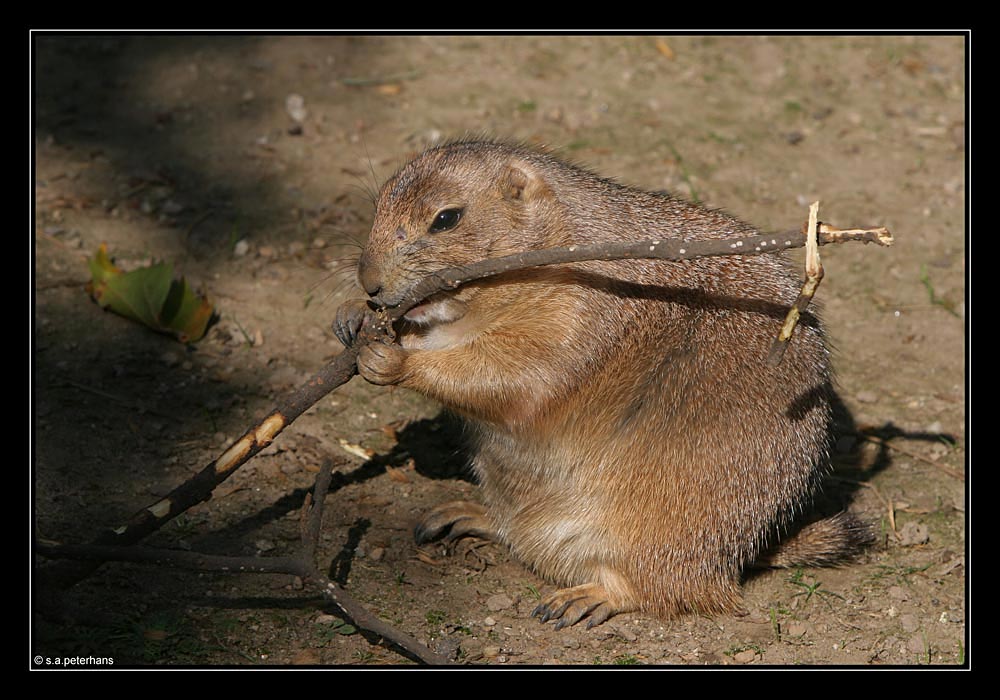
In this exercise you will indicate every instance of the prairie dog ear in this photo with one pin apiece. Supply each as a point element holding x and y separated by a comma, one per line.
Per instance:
<point>522,181</point>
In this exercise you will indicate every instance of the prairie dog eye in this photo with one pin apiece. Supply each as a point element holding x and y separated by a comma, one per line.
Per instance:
<point>445,220</point>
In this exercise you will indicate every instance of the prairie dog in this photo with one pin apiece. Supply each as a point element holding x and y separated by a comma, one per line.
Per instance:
<point>631,444</point>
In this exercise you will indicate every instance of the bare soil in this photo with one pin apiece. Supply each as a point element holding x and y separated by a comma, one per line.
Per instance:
<point>183,148</point>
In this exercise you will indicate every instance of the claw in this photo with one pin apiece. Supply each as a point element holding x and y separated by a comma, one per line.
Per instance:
<point>570,605</point>
<point>349,320</point>
<point>457,518</point>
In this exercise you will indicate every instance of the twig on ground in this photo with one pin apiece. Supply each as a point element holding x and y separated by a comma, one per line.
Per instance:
<point>882,442</point>
<point>887,502</point>
<point>302,565</point>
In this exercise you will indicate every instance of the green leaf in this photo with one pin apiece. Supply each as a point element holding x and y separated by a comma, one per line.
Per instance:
<point>150,296</point>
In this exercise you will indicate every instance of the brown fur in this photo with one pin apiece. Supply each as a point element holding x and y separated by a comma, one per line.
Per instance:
<point>629,438</point>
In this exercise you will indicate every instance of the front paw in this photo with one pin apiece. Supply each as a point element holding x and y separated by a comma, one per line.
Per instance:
<point>382,364</point>
<point>570,605</point>
<point>351,316</point>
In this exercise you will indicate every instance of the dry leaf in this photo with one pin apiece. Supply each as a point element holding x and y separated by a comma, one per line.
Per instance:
<point>664,48</point>
<point>427,558</point>
<point>397,475</point>
<point>356,450</point>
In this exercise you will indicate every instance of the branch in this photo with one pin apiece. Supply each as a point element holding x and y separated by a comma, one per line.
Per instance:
<point>293,566</point>
<point>302,565</point>
<point>659,249</point>
<point>200,486</point>
<point>814,275</point>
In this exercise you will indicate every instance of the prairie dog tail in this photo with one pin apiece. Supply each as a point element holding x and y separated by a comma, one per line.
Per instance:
<point>825,542</point>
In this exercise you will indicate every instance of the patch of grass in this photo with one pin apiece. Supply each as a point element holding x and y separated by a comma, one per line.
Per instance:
<point>948,441</point>
<point>719,138</point>
<point>185,526</point>
<point>247,338</point>
<point>935,300</point>
<point>435,617</point>
<point>234,237</point>
<point>925,656</point>
<point>775,626</point>
<point>626,660</point>
<point>336,628</point>
<point>169,638</point>
<point>810,589</point>
<point>737,648</point>
<point>792,107</point>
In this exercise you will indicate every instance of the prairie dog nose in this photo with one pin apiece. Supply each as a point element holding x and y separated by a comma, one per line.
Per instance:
<point>369,276</point>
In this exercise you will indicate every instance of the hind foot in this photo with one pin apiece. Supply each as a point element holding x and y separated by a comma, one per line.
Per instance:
<point>457,518</point>
<point>570,605</point>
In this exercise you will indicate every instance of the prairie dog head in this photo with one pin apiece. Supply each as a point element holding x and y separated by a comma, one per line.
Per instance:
<point>453,205</point>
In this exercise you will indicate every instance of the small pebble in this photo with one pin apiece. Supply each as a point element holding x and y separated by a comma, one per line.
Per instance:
<point>866,396</point>
<point>172,208</point>
<point>909,622</point>
<point>625,633</point>
<point>795,629</point>
<point>913,534</point>
<point>241,248</point>
<point>500,601</point>
<point>295,105</point>
<point>170,359</point>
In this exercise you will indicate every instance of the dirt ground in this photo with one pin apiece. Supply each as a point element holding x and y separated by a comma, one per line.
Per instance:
<point>194,150</point>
